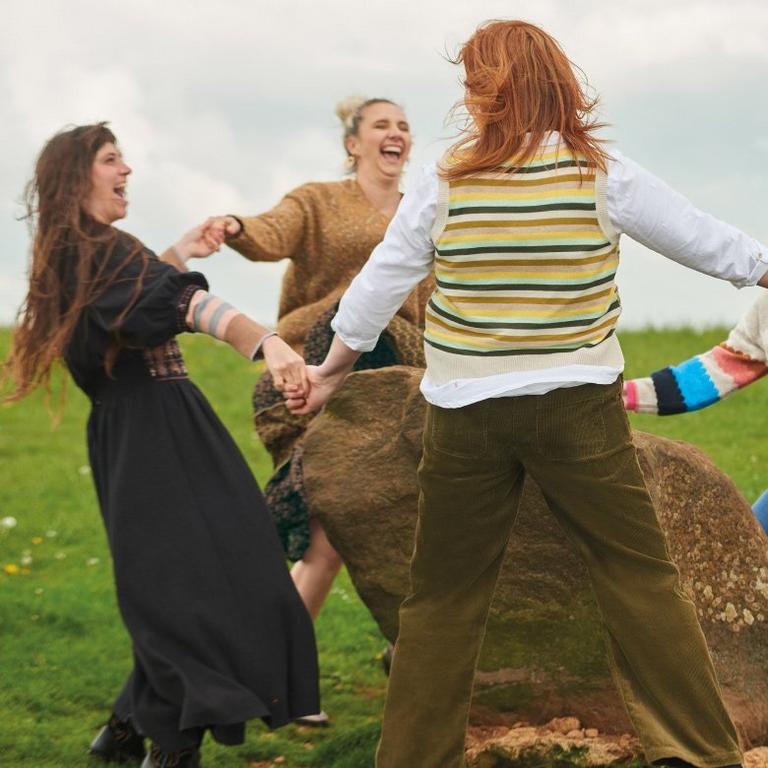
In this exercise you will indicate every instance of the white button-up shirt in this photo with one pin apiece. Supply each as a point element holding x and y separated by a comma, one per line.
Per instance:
<point>639,205</point>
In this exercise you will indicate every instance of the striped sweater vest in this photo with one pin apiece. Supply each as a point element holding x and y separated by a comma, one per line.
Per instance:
<point>525,263</point>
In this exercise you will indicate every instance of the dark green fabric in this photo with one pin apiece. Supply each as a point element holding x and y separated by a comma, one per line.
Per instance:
<point>576,443</point>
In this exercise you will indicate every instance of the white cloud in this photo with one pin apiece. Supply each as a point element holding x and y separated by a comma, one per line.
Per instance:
<point>226,106</point>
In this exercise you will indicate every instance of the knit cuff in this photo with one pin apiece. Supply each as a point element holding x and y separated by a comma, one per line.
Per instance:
<point>182,307</point>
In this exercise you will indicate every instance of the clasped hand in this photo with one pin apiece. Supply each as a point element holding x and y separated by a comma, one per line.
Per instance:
<point>221,227</point>
<point>206,238</point>
<point>320,387</point>
<point>305,388</point>
<point>198,243</point>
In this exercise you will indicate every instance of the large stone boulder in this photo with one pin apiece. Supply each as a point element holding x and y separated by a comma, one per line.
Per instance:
<point>543,655</point>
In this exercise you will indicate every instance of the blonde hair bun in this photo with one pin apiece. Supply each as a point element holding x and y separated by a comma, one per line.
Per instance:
<point>347,109</point>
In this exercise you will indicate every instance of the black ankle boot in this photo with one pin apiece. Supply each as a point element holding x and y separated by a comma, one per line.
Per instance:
<point>118,742</point>
<point>184,758</point>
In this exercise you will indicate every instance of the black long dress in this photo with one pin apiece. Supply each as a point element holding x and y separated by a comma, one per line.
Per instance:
<point>220,635</point>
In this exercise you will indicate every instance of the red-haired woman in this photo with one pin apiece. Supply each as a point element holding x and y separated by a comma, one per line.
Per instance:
<point>521,224</point>
<point>219,633</point>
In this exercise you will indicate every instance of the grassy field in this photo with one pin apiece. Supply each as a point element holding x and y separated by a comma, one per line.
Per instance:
<point>63,650</point>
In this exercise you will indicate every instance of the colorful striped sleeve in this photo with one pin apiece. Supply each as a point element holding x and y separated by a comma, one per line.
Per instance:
<point>707,378</point>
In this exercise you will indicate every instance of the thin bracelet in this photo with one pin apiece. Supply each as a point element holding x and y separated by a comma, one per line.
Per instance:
<point>256,354</point>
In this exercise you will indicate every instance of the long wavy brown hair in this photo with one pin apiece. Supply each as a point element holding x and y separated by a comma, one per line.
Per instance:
<point>519,85</point>
<point>70,254</point>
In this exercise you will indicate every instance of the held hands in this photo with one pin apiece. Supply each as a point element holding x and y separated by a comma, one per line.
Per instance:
<point>206,238</point>
<point>321,386</point>
<point>198,243</point>
<point>221,227</point>
<point>323,379</point>
<point>288,369</point>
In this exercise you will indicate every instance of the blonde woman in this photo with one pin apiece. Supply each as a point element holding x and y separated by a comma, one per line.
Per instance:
<point>326,231</point>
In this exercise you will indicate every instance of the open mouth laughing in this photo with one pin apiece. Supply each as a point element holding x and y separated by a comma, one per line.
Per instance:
<point>391,152</point>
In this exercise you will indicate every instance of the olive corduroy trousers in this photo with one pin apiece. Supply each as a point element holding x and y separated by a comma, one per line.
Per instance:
<point>576,444</point>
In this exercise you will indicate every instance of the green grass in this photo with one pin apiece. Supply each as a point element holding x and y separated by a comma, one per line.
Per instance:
<point>63,650</point>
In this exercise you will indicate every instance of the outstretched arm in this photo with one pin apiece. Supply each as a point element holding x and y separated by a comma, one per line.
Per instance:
<point>198,243</point>
<point>271,236</point>
<point>709,377</point>
<point>649,211</point>
<point>209,314</point>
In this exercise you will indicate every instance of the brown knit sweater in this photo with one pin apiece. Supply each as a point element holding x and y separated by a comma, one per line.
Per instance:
<point>327,230</point>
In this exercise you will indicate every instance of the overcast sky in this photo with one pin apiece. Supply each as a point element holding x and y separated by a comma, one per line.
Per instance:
<point>225,106</point>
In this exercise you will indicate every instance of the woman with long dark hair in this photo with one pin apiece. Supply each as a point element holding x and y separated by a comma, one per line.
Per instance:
<point>521,224</point>
<point>219,633</point>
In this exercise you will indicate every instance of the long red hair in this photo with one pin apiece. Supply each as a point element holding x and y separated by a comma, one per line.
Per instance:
<point>519,86</point>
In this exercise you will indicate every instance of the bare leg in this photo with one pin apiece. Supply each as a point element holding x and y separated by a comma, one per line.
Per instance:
<point>313,575</point>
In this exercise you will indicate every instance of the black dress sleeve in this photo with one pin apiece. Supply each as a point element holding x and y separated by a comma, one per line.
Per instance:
<point>144,299</point>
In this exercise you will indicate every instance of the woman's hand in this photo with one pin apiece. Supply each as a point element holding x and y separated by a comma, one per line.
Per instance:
<point>323,380</point>
<point>321,387</point>
<point>198,243</point>
<point>223,227</point>
<point>287,367</point>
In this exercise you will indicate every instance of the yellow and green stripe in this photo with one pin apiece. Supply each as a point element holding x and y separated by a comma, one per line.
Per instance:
<point>522,265</point>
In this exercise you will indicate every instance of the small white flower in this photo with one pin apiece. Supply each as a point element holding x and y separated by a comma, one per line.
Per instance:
<point>92,561</point>
<point>8,522</point>
<point>51,534</point>
<point>26,560</point>
<point>84,470</point>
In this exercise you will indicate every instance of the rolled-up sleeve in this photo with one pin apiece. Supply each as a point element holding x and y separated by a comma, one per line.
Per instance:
<point>393,269</point>
<point>644,207</point>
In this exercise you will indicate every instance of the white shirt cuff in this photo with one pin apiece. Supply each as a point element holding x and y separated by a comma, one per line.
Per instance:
<point>354,342</point>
